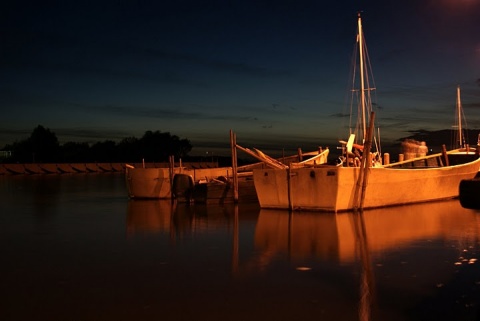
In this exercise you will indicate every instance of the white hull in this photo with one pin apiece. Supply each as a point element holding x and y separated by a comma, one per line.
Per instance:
<point>148,182</point>
<point>156,182</point>
<point>332,188</point>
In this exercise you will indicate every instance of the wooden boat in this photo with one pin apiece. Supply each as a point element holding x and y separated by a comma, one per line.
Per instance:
<point>117,167</point>
<point>92,168</point>
<point>79,167</point>
<point>49,168</point>
<point>157,182</point>
<point>14,168</point>
<point>203,185</point>
<point>148,182</point>
<point>363,182</point>
<point>65,168</point>
<point>33,168</point>
<point>105,167</point>
<point>210,184</point>
<point>215,190</point>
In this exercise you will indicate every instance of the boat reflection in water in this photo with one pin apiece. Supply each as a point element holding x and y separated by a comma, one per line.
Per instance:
<point>366,238</point>
<point>395,259</point>
<point>159,216</point>
<point>335,236</point>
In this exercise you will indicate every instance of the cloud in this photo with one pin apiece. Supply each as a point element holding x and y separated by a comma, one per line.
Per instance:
<point>339,115</point>
<point>28,50</point>
<point>164,113</point>
<point>216,65</point>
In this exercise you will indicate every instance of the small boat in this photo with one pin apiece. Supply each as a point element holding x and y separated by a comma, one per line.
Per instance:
<point>33,168</point>
<point>215,190</point>
<point>105,167</point>
<point>65,168</point>
<point>79,167</point>
<point>92,168</point>
<point>361,179</point>
<point>148,182</point>
<point>209,184</point>
<point>203,185</point>
<point>14,168</point>
<point>49,168</point>
<point>469,193</point>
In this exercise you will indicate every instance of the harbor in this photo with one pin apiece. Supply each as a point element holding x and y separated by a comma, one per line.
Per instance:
<point>79,238</point>
<point>348,194</point>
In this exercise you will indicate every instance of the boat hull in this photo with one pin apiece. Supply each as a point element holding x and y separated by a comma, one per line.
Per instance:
<point>332,188</point>
<point>469,190</point>
<point>148,182</point>
<point>157,182</point>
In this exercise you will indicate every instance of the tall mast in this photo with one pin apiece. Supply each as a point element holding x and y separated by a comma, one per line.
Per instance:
<point>459,117</point>
<point>362,81</point>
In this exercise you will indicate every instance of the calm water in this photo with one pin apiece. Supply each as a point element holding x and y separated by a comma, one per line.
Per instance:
<point>73,247</point>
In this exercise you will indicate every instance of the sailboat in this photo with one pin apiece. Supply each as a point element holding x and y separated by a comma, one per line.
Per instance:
<point>362,179</point>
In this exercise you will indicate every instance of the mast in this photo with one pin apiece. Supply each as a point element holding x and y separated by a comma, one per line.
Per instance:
<point>362,80</point>
<point>459,117</point>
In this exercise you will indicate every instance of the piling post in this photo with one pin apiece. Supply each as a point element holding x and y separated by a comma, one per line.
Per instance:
<point>386,159</point>
<point>233,147</point>
<point>445,156</point>
<point>300,155</point>
<point>171,166</point>
<point>289,189</point>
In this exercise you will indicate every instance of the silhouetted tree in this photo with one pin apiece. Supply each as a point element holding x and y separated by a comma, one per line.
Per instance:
<point>44,144</point>
<point>153,146</point>
<point>105,151</point>
<point>41,146</point>
<point>129,150</point>
<point>75,152</point>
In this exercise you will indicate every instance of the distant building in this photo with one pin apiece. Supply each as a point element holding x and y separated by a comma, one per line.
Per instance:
<point>5,154</point>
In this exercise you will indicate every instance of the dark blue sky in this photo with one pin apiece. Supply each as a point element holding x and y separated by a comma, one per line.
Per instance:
<point>275,72</point>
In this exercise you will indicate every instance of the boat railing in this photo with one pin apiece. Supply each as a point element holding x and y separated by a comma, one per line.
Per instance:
<point>433,160</point>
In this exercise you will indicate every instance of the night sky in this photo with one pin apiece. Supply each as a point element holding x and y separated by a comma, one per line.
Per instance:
<point>275,72</point>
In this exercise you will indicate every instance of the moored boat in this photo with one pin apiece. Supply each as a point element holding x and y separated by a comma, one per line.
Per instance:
<point>14,168</point>
<point>360,180</point>
<point>79,167</point>
<point>205,185</point>
<point>33,168</point>
<point>65,168</point>
<point>49,168</point>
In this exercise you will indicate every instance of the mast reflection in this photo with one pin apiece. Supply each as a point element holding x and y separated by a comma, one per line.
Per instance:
<point>359,238</point>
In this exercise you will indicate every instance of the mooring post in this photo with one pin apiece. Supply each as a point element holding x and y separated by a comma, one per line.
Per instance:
<point>233,147</point>
<point>445,155</point>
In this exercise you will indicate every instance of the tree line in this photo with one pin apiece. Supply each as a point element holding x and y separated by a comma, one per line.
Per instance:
<point>42,146</point>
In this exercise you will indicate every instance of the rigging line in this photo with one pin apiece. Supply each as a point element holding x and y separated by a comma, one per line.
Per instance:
<point>352,85</point>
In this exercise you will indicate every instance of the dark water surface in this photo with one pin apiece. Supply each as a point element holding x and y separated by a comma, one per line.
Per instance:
<point>74,247</point>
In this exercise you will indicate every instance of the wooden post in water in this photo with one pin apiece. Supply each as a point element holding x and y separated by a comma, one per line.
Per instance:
<point>171,165</point>
<point>233,147</point>
<point>445,156</point>
<point>289,189</point>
